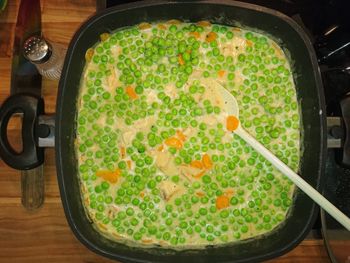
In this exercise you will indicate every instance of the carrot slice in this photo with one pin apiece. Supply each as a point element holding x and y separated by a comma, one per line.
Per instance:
<point>142,194</point>
<point>144,25</point>
<point>204,23</point>
<point>181,60</point>
<point>196,164</point>
<point>197,176</point>
<point>131,92</point>
<point>211,37</point>
<point>102,226</point>
<point>229,192</point>
<point>221,73</point>
<point>232,123</point>
<point>249,43</point>
<point>161,26</point>
<point>110,176</point>
<point>147,241</point>
<point>122,152</point>
<point>195,34</point>
<point>89,53</point>
<point>174,142</point>
<point>116,235</point>
<point>160,148</point>
<point>129,164</point>
<point>173,22</point>
<point>207,163</point>
<point>222,201</point>
<point>102,173</point>
<point>200,194</point>
<point>181,136</point>
<point>104,36</point>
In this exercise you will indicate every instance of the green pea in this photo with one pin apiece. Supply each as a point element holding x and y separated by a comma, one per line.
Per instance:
<point>105,185</point>
<point>202,211</point>
<point>206,179</point>
<point>229,35</point>
<point>244,229</point>
<point>224,213</point>
<point>137,236</point>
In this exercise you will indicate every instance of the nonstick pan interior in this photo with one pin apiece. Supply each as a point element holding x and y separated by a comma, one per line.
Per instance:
<point>310,96</point>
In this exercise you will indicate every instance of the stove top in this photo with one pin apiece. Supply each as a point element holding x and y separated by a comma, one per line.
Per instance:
<point>327,24</point>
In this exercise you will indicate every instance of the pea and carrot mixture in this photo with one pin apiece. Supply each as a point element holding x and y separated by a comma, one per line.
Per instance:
<point>159,162</point>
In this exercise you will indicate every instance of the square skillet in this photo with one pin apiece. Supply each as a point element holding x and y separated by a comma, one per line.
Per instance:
<point>310,96</point>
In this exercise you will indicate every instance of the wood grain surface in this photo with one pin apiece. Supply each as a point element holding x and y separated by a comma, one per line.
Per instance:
<point>44,235</point>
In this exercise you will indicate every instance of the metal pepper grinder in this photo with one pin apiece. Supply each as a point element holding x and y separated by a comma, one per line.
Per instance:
<point>47,57</point>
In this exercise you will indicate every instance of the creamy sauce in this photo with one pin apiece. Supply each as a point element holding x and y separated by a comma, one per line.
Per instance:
<point>157,163</point>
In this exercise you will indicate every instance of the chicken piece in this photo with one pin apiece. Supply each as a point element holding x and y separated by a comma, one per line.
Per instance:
<point>168,189</point>
<point>112,210</point>
<point>102,120</point>
<point>210,120</point>
<point>165,162</point>
<point>152,97</point>
<point>128,136</point>
<point>233,47</point>
<point>171,90</point>
<point>112,81</point>
<point>115,51</point>
<point>190,132</point>
<point>140,125</point>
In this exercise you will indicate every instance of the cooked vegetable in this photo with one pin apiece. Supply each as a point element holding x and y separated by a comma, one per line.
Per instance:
<point>158,162</point>
<point>232,123</point>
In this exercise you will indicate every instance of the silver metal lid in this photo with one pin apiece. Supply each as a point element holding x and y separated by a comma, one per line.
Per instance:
<point>37,50</point>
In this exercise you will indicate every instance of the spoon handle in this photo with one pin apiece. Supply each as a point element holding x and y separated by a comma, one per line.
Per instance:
<point>295,178</point>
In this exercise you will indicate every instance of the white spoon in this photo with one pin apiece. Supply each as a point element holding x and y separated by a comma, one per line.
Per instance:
<point>231,107</point>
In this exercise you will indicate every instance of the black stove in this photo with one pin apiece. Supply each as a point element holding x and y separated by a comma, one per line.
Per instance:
<point>327,23</point>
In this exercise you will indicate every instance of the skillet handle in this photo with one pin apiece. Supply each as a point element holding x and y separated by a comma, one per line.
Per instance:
<point>31,155</point>
<point>345,108</point>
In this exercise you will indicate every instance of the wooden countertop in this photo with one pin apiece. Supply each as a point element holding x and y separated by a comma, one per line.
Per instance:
<point>44,235</point>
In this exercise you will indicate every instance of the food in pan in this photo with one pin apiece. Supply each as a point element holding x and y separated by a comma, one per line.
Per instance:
<point>158,164</point>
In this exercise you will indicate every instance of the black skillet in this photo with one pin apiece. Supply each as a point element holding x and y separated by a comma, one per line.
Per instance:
<point>310,96</point>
